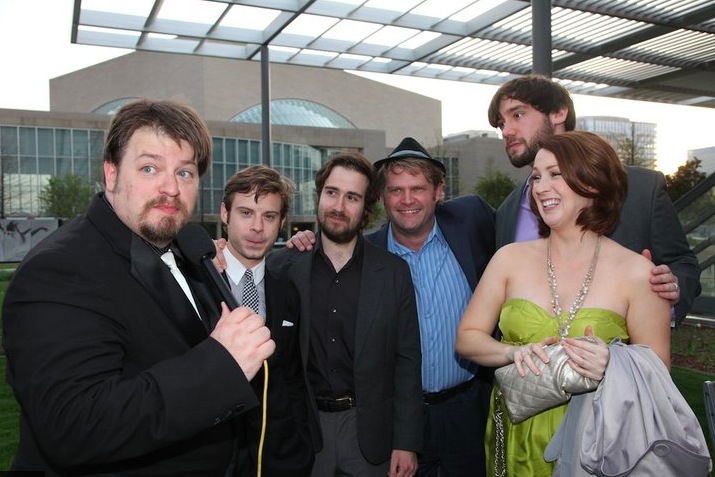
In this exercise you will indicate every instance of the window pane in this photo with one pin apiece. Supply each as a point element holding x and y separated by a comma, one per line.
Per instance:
<point>9,164</point>
<point>231,153</point>
<point>8,140</point>
<point>255,152</point>
<point>80,143</point>
<point>276,151</point>
<point>63,142</point>
<point>218,150</point>
<point>218,179</point>
<point>64,166</point>
<point>27,142</point>
<point>81,168</point>
<point>28,165</point>
<point>217,198</point>
<point>96,144</point>
<point>46,165</point>
<point>243,157</point>
<point>45,142</point>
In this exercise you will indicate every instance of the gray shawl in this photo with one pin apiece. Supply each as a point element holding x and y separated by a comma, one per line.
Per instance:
<point>635,423</point>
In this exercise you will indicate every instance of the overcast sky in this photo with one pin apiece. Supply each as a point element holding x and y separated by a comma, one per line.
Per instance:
<point>35,38</point>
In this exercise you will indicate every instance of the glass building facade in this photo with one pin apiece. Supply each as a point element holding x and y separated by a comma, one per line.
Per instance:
<point>29,156</point>
<point>634,142</point>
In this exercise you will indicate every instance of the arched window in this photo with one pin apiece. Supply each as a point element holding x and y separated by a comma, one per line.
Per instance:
<point>296,112</point>
<point>111,107</point>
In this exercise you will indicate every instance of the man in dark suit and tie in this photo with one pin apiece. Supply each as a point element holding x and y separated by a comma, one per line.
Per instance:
<point>529,107</point>
<point>122,365</point>
<point>359,335</point>
<point>254,208</point>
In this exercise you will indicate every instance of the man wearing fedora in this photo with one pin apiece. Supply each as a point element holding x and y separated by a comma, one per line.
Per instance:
<point>447,246</point>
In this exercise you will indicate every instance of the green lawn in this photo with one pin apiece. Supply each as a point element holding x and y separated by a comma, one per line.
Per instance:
<point>690,384</point>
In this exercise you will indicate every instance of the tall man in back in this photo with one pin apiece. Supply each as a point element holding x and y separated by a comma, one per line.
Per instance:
<point>530,107</point>
<point>254,208</point>
<point>115,349</point>
<point>359,336</point>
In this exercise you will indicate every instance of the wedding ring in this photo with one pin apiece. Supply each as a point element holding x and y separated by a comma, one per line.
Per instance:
<point>675,286</point>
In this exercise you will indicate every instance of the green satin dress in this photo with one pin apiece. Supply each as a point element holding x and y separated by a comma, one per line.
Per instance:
<point>522,322</point>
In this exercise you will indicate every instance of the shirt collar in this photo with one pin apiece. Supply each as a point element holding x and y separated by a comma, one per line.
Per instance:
<point>357,251</point>
<point>395,247</point>
<point>235,269</point>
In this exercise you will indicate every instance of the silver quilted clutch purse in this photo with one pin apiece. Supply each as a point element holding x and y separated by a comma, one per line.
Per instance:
<point>532,394</point>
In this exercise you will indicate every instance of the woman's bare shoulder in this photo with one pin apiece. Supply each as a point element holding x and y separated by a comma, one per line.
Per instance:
<point>628,263</point>
<point>522,249</point>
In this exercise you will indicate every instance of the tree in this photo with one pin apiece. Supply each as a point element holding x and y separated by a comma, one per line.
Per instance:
<point>377,216</point>
<point>630,153</point>
<point>495,186</point>
<point>685,178</point>
<point>66,196</point>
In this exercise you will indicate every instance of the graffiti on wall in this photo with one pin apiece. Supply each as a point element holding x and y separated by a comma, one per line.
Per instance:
<point>18,236</point>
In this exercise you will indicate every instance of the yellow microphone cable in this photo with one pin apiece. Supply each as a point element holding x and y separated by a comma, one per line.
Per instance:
<point>263,417</point>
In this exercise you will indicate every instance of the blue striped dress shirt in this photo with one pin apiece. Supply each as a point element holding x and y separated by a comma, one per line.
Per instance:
<point>442,295</point>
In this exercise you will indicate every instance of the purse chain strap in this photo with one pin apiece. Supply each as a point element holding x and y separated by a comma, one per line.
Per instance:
<point>500,444</point>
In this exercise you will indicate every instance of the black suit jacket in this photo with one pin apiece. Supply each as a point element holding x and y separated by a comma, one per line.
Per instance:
<point>288,448</point>
<point>648,220</point>
<point>387,362</point>
<point>113,370</point>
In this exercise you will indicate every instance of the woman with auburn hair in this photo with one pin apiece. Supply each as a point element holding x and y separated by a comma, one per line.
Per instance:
<point>573,281</point>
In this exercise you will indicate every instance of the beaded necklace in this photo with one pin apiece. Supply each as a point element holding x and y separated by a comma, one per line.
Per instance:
<point>578,301</point>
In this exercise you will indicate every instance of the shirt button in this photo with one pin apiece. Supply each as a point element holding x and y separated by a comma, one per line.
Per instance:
<point>332,340</point>
<point>335,310</point>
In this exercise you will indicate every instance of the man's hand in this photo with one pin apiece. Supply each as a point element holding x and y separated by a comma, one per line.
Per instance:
<point>243,334</point>
<point>303,240</point>
<point>403,463</point>
<point>219,260</point>
<point>663,282</point>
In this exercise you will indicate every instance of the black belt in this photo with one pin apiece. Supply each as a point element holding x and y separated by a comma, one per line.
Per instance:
<point>335,405</point>
<point>443,395</point>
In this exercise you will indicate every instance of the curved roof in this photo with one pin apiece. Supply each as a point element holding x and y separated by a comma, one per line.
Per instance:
<point>111,107</point>
<point>655,50</point>
<point>296,112</point>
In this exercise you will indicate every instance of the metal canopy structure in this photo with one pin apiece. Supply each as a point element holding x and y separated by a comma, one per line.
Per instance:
<point>650,50</point>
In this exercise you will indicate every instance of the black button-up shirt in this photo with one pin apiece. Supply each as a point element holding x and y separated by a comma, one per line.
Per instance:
<point>334,301</point>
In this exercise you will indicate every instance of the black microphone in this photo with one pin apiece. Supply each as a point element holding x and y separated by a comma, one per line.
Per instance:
<point>198,247</point>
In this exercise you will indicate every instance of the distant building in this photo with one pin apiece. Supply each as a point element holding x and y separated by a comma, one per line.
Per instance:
<point>707,158</point>
<point>479,152</point>
<point>621,132</point>
<point>315,113</point>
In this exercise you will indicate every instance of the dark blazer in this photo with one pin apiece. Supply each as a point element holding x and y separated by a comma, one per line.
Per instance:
<point>387,362</point>
<point>288,447</point>
<point>467,224</point>
<point>110,363</point>
<point>648,220</point>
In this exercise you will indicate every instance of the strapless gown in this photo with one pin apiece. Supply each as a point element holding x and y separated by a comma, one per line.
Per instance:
<point>522,322</point>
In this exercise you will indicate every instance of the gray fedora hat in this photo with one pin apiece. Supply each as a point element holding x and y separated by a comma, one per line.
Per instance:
<point>409,148</point>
